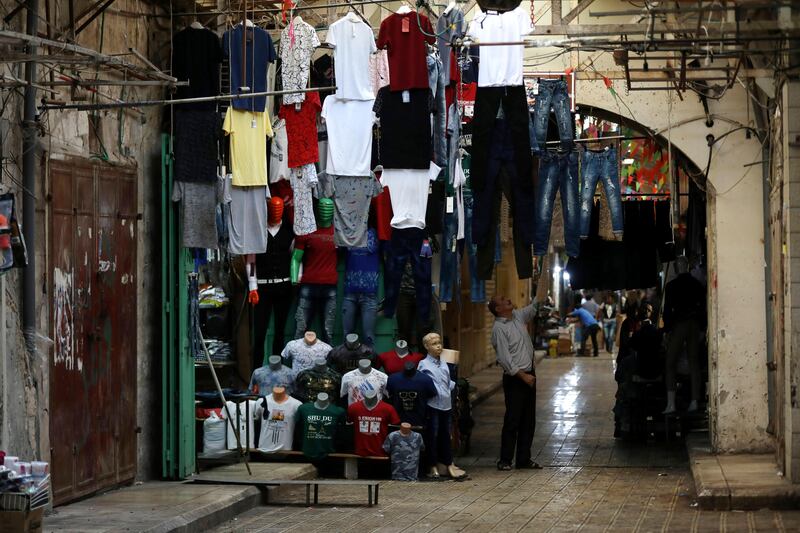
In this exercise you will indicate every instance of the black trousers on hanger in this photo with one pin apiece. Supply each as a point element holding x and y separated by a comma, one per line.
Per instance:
<point>515,106</point>
<point>272,298</point>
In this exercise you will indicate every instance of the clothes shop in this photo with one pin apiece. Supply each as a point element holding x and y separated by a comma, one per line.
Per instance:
<point>340,202</point>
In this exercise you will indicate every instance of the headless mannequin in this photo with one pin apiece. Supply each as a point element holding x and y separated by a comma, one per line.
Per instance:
<point>364,366</point>
<point>322,401</point>
<point>405,429</point>
<point>370,399</point>
<point>279,394</point>
<point>410,370</point>
<point>275,363</point>
<point>320,365</point>
<point>310,338</point>
<point>352,342</point>
<point>401,348</point>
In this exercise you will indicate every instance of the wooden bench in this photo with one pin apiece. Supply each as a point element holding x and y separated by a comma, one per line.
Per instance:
<point>307,482</point>
<point>350,459</point>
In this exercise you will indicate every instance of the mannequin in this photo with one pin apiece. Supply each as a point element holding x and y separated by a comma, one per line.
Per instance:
<point>440,454</point>
<point>401,348</point>
<point>371,419</point>
<point>346,357</point>
<point>405,429</point>
<point>322,402</point>
<point>303,353</point>
<point>316,252</point>
<point>316,379</point>
<point>371,399</point>
<point>278,414</point>
<point>684,321</point>
<point>395,360</point>
<point>279,394</point>
<point>270,284</point>
<point>356,383</point>
<point>274,374</point>
<point>319,422</point>
<point>409,392</point>
<point>310,337</point>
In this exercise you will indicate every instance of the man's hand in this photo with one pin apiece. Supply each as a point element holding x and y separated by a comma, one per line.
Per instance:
<point>529,379</point>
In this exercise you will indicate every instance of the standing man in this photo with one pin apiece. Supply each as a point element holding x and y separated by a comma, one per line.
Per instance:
<point>589,325</point>
<point>514,348</point>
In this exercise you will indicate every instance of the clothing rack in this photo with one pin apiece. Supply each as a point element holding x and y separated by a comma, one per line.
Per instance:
<point>275,9</point>
<point>611,138</point>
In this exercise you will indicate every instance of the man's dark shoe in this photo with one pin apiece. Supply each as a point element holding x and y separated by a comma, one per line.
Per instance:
<point>503,466</point>
<point>530,465</point>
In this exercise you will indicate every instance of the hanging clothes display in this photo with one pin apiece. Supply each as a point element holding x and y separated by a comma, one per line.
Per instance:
<point>279,153</point>
<point>248,132</point>
<point>353,43</point>
<point>557,173</point>
<point>600,165</point>
<point>449,26</point>
<point>198,212</point>
<point>379,70</point>
<point>349,125</point>
<point>303,180</point>
<point>436,81</point>
<point>253,59</point>
<point>551,94</point>
<point>274,288</point>
<point>408,245</point>
<point>352,196</point>
<point>195,145</point>
<point>404,36</point>
<point>408,191</point>
<point>405,128</point>
<point>301,130</point>
<point>245,217</point>
<point>196,58</point>
<point>298,41</point>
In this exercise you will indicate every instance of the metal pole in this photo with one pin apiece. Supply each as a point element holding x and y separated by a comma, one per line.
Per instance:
<point>29,132</point>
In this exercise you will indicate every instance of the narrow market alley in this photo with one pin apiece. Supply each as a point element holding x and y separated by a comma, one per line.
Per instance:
<point>590,481</point>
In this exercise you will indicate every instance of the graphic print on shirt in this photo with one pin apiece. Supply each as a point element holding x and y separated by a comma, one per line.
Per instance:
<point>409,399</point>
<point>319,427</point>
<point>369,425</point>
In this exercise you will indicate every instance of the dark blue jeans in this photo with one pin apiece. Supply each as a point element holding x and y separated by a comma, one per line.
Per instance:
<point>316,300</point>
<point>557,172</point>
<point>364,304</point>
<point>552,95</point>
<point>452,251</point>
<point>438,442</point>
<point>600,165</point>
<point>406,245</point>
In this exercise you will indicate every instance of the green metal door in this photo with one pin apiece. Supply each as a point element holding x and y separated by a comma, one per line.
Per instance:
<point>178,430</point>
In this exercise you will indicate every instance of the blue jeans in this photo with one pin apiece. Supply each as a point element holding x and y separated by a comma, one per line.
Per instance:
<point>367,305</point>
<point>609,330</point>
<point>557,172</point>
<point>600,165</point>
<point>552,95</point>
<point>316,300</point>
<point>406,245</point>
<point>452,251</point>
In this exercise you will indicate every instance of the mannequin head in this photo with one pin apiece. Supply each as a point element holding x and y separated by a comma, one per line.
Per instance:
<point>310,337</point>
<point>322,401</point>
<point>275,207</point>
<point>275,362</point>
<point>371,399</point>
<point>409,369</point>
<point>351,341</point>
<point>365,366</point>
<point>320,364</point>
<point>433,344</point>
<point>405,428</point>
<point>279,393</point>
<point>401,347</point>
<point>325,212</point>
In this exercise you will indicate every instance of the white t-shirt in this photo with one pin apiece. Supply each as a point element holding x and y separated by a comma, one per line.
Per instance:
<point>244,422</point>
<point>408,189</point>
<point>500,65</point>
<point>279,153</point>
<point>349,124</point>
<point>353,43</point>
<point>277,431</point>
<point>355,383</point>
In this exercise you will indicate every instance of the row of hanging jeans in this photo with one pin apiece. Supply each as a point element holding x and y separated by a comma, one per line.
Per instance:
<point>564,171</point>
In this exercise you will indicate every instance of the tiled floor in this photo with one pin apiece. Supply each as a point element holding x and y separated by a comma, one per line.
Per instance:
<point>590,481</point>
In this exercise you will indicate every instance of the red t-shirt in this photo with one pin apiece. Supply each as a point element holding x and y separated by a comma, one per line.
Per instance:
<point>301,130</point>
<point>392,363</point>
<point>401,36</point>
<point>319,257</point>
<point>371,426</point>
<point>382,210</point>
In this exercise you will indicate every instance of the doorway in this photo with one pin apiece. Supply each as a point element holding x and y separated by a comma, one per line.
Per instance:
<point>92,285</point>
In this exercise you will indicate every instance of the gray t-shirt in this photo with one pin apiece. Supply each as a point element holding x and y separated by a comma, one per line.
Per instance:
<point>198,212</point>
<point>247,218</point>
<point>404,453</point>
<point>266,378</point>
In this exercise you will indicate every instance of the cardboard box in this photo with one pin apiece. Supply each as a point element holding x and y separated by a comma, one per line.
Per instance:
<point>21,521</point>
<point>564,346</point>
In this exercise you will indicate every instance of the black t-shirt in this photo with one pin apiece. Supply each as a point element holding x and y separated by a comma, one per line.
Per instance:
<point>343,359</point>
<point>405,133</point>
<point>310,382</point>
<point>196,58</point>
<point>275,262</point>
<point>410,395</point>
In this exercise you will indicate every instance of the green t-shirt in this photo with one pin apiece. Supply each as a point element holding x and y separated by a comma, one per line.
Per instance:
<point>319,428</point>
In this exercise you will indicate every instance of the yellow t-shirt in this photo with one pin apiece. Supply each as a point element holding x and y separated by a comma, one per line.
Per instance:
<point>248,131</point>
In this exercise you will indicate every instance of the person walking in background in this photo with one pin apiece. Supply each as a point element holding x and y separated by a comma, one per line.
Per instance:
<point>608,317</point>
<point>514,348</point>
<point>588,324</point>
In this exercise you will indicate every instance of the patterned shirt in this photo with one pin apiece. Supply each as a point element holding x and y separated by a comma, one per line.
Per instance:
<point>265,378</point>
<point>310,382</point>
<point>302,355</point>
<point>298,41</point>
<point>404,453</point>
<point>355,383</point>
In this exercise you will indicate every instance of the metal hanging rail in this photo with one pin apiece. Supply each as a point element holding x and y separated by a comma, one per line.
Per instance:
<point>149,103</point>
<point>271,9</point>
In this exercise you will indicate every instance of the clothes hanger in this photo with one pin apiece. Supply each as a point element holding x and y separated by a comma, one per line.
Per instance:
<point>451,6</point>
<point>404,9</point>
<point>196,25</point>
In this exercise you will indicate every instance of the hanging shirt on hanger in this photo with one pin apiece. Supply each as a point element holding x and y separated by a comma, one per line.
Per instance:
<point>279,153</point>
<point>353,43</point>
<point>349,124</point>
<point>449,26</point>
<point>196,56</point>
<point>301,129</point>
<point>500,65</point>
<point>298,41</point>
<point>405,119</point>
<point>258,53</point>
<point>404,36</point>
<point>248,132</point>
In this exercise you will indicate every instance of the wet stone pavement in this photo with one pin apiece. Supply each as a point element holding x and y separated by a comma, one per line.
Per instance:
<point>590,481</point>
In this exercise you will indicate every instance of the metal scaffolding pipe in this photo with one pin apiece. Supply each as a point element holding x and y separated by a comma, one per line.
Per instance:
<point>29,153</point>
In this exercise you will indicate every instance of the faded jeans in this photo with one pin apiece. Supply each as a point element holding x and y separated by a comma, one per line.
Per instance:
<point>364,304</point>
<point>316,300</point>
<point>557,172</point>
<point>552,95</point>
<point>609,331</point>
<point>600,165</point>
<point>452,251</point>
